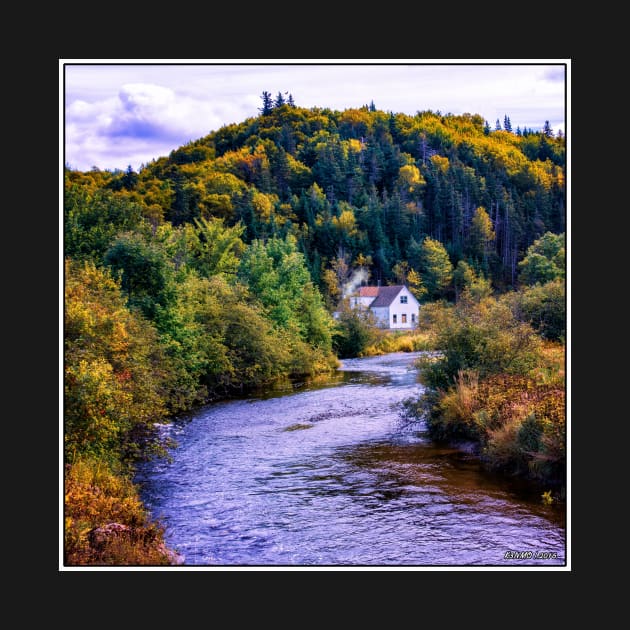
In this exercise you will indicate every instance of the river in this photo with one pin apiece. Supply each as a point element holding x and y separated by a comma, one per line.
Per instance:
<point>331,474</point>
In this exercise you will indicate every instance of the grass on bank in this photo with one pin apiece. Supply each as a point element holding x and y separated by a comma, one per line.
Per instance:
<point>105,521</point>
<point>398,341</point>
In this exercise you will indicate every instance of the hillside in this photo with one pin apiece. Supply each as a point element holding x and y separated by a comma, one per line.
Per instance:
<point>360,184</point>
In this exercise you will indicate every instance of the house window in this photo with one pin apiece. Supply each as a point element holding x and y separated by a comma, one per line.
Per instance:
<point>403,299</point>
<point>403,318</point>
<point>394,319</point>
<point>413,318</point>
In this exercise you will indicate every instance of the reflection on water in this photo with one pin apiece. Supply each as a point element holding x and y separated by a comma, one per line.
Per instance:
<point>329,474</point>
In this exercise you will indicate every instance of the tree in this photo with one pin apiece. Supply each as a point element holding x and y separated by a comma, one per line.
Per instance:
<point>486,128</point>
<point>279,102</point>
<point>482,236</point>
<point>463,277</point>
<point>290,101</point>
<point>114,365</point>
<point>470,286</point>
<point>545,260</point>
<point>145,274</point>
<point>547,130</point>
<point>277,275</point>
<point>415,285</point>
<point>356,330</point>
<point>400,271</point>
<point>497,125</point>
<point>435,267</point>
<point>217,248</point>
<point>507,125</point>
<point>267,104</point>
<point>543,306</point>
<point>92,221</point>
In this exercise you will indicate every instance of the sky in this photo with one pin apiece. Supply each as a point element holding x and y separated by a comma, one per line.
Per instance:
<point>119,115</point>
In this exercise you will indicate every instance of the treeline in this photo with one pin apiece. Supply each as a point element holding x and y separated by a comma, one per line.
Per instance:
<point>364,187</point>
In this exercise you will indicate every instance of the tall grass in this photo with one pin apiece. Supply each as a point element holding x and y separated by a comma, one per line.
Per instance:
<point>398,341</point>
<point>105,522</point>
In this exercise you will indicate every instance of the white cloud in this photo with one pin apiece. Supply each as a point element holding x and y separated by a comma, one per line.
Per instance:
<point>129,114</point>
<point>142,122</point>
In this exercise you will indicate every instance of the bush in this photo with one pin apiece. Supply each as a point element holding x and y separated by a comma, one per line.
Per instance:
<point>494,381</point>
<point>542,306</point>
<point>485,337</point>
<point>355,332</point>
<point>105,523</point>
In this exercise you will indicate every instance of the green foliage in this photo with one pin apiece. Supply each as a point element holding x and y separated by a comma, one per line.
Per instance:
<point>217,248</point>
<point>145,272</point>
<point>469,285</point>
<point>356,331</point>
<point>434,265</point>
<point>544,261</point>
<point>494,382</point>
<point>482,237</point>
<point>92,221</point>
<point>114,365</point>
<point>542,306</point>
<point>400,177</point>
<point>483,336</point>
<point>276,273</point>
<point>207,267</point>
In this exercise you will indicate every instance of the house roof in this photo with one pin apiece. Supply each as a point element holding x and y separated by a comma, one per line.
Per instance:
<point>368,291</point>
<point>386,295</point>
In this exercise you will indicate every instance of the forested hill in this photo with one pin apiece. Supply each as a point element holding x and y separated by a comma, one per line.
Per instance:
<point>358,188</point>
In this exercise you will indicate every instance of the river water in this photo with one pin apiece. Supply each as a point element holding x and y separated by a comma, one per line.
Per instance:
<point>331,474</point>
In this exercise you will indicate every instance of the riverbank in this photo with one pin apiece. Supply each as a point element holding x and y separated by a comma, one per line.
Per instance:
<point>500,385</point>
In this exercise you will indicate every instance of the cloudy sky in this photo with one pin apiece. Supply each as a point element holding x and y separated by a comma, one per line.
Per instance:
<point>120,115</point>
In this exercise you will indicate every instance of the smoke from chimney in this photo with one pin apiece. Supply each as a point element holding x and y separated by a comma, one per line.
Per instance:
<point>356,279</point>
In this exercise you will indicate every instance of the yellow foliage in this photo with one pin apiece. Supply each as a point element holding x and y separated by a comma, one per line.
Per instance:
<point>358,121</point>
<point>346,222</point>
<point>263,204</point>
<point>441,163</point>
<point>96,496</point>
<point>410,178</point>
<point>214,205</point>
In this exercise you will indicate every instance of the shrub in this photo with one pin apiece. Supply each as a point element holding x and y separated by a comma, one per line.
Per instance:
<point>105,522</point>
<point>485,337</point>
<point>355,332</point>
<point>542,306</point>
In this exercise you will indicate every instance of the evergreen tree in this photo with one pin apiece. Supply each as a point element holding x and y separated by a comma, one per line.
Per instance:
<point>435,267</point>
<point>267,104</point>
<point>507,125</point>
<point>497,125</point>
<point>547,130</point>
<point>482,236</point>
<point>279,102</point>
<point>486,128</point>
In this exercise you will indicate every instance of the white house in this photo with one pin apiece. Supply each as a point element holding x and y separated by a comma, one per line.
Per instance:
<point>394,307</point>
